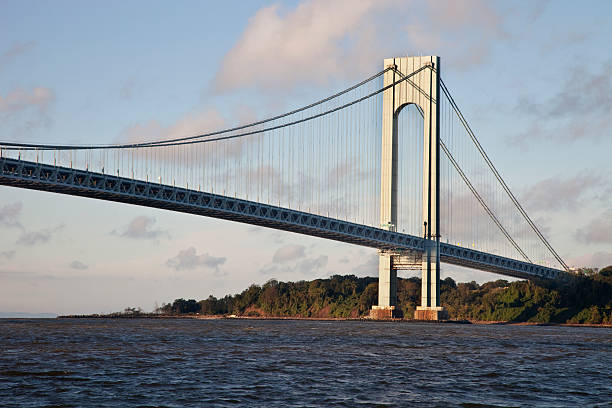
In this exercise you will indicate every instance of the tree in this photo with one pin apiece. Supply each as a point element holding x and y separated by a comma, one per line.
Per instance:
<point>182,306</point>
<point>607,271</point>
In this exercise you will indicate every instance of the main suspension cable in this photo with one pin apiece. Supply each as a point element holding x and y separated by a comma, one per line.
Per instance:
<point>498,176</point>
<point>170,142</point>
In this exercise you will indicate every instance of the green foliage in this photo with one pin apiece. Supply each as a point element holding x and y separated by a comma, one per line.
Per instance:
<point>181,306</point>
<point>582,299</point>
<point>606,272</point>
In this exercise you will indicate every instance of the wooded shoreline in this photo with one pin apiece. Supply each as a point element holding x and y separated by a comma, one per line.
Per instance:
<point>578,301</point>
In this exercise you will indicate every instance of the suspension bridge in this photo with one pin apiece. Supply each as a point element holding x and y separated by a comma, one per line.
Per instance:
<point>424,193</point>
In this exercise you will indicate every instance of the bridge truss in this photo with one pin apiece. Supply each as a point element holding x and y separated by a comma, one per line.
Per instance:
<point>44,177</point>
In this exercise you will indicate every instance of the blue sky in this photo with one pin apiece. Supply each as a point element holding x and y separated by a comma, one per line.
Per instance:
<point>532,77</point>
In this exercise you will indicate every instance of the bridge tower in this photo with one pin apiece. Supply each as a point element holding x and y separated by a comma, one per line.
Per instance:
<point>422,90</point>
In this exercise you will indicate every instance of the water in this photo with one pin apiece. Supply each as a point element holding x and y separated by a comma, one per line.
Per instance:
<point>214,363</point>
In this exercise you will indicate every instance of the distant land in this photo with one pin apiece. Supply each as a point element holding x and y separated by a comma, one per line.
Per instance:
<point>583,299</point>
<point>23,315</point>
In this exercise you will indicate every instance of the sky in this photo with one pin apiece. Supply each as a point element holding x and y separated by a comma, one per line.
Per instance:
<point>533,79</point>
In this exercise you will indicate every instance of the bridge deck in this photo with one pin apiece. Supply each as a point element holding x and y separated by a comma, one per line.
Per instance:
<point>35,176</point>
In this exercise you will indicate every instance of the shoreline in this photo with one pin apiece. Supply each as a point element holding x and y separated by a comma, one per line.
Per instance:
<point>364,319</point>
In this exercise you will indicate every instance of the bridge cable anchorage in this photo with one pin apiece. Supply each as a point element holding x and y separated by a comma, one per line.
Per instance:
<point>498,176</point>
<point>207,137</point>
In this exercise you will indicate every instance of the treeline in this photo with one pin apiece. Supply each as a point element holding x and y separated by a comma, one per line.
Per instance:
<point>338,296</point>
<point>582,299</point>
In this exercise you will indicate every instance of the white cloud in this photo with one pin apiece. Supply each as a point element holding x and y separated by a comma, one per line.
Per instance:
<point>313,42</point>
<point>463,31</point>
<point>189,259</point>
<point>321,40</point>
<point>190,124</point>
<point>142,228</point>
<point>22,110</point>
<point>20,99</point>
<point>288,253</point>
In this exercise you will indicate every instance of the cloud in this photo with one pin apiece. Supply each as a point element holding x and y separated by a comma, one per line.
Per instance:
<point>190,124</point>
<point>19,99</point>
<point>194,123</point>
<point>312,265</point>
<point>474,24</point>
<point>78,265</point>
<point>271,269</point>
<point>318,41</point>
<point>581,109</point>
<point>292,258</point>
<point>7,254</point>
<point>277,237</point>
<point>288,253</point>
<point>598,259</point>
<point>562,40</point>
<point>9,215</point>
<point>555,193</point>
<point>25,110</point>
<point>38,237</point>
<point>142,228</point>
<point>369,267</point>
<point>583,93</point>
<point>16,50</point>
<point>599,230</point>
<point>188,259</point>
<point>313,42</point>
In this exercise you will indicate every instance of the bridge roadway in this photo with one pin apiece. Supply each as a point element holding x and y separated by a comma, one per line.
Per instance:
<point>56,179</point>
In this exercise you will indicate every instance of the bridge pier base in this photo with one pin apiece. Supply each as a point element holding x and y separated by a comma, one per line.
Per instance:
<point>430,313</point>
<point>387,290</point>
<point>430,308</point>
<point>385,313</point>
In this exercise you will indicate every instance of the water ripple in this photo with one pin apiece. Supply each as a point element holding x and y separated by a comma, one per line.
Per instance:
<point>220,363</point>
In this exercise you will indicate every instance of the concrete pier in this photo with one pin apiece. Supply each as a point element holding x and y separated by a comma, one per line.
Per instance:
<point>430,313</point>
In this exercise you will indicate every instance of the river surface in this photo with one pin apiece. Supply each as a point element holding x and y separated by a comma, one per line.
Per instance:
<point>268,363</point>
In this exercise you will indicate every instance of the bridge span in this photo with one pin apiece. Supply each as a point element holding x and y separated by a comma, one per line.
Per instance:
<point>55,179</point>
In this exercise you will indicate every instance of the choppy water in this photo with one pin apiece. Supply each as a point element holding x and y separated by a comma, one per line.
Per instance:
<point>182,362</point>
